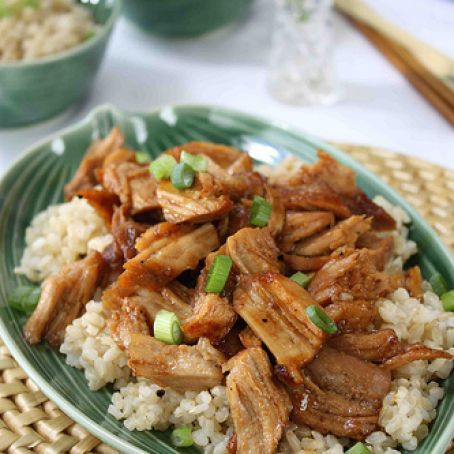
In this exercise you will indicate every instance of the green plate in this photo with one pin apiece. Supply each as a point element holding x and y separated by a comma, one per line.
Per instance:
<point>37,180</point>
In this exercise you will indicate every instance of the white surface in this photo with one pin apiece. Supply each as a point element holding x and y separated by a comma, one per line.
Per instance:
<point>229,68</point>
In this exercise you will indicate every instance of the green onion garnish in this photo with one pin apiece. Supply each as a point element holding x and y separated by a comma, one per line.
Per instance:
<point>89,34</point>
<point>142,157</point>
<point>25,298</point>
<point>16,8</point>
<point>218,274</point>
<point>167,328</point>
<point>319,318</point>
<point>301,278</point>
<point>447,299</point>
<point>438,283</point>
<point>181,437</point>
<point>359,448</point>
<point>162,167</point>
<point>196,161</point>
<point>261,211</point>
<point>32,3</point>
<point>182,176</point>
<point>4,10</point>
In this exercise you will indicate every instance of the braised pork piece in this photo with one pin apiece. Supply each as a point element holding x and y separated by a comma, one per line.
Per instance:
<point>63,299</point>
<point>222,252</point>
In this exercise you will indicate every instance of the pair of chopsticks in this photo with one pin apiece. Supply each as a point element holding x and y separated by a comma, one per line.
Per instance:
<point>429,71</point>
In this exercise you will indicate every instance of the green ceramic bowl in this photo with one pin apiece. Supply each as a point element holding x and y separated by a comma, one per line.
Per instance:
<point>183,17</point>
<point>31,91</point>
<point>37,180</point>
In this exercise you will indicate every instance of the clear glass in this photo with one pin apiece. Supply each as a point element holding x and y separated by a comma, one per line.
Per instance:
<point>301,64</point>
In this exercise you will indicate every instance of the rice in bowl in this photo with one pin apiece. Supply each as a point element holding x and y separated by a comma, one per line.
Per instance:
<point>32,29</point>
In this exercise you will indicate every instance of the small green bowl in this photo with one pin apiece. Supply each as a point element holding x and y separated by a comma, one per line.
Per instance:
<point>180,18</point>
<point>31,91</point>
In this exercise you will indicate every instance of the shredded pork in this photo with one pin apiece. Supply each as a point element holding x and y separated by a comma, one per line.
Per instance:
<point>340,394</point>
<point>274,306</point>
<point>180,367</point>
<point>259,406</point>
<point>164,244</point>
<point>63,299</point>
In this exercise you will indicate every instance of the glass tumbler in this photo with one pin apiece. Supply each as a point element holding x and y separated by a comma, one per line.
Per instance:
<point>301,63</point>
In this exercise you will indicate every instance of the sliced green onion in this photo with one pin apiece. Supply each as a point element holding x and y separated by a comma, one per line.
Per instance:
<point>319,318</point>
<point>167,328</point>
<point>4,9</point>
<point>301,278</point>
<point>438,283</point>
<point>17,7</point>
<point>162,167</point>
<point>25,298</point>
<point>142,157</point>
<point>359,448</point>
<point>218,274</point>
<point>196,161</point>
<point>181,437</point>
<point>88,35</point>
<point>261,211</point>
<point>182,176</point>
<point>32,3</point>
<point>447,299</point>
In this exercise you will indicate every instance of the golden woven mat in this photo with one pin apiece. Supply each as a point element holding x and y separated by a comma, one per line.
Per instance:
<point>428,187</point>
<point>30,423</point>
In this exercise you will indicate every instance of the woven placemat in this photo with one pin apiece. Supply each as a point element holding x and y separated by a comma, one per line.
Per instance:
<point>428,187</point>
<point>30,423</point>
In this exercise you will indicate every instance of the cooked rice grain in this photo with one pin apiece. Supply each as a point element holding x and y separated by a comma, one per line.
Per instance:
<point>89,346</point>
<point>286,169</point>
<point>411,404</point>
<point>416,321</point>
<point>403,247</point>
<point>54,26</point>
<point>59,235</point>
<point>302,440</point>
<point>145,406</point>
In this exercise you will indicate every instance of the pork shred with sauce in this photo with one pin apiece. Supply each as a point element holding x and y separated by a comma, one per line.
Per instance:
<point>63,299</point>
<point>254,335</point>
<point>258,404</point>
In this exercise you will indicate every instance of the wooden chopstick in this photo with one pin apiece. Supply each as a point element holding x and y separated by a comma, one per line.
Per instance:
<point>431,79</point>
<point>414,64</point>
<point>436,62</point>
<point>430,86</point>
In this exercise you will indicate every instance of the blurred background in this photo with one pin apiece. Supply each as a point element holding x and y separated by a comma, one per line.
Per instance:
<point>364,99</point>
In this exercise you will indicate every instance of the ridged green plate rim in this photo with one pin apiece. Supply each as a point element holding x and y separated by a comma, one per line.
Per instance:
<point>37,178</point>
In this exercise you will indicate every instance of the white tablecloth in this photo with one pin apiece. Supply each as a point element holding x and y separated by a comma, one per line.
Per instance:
<point>228,68</point>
